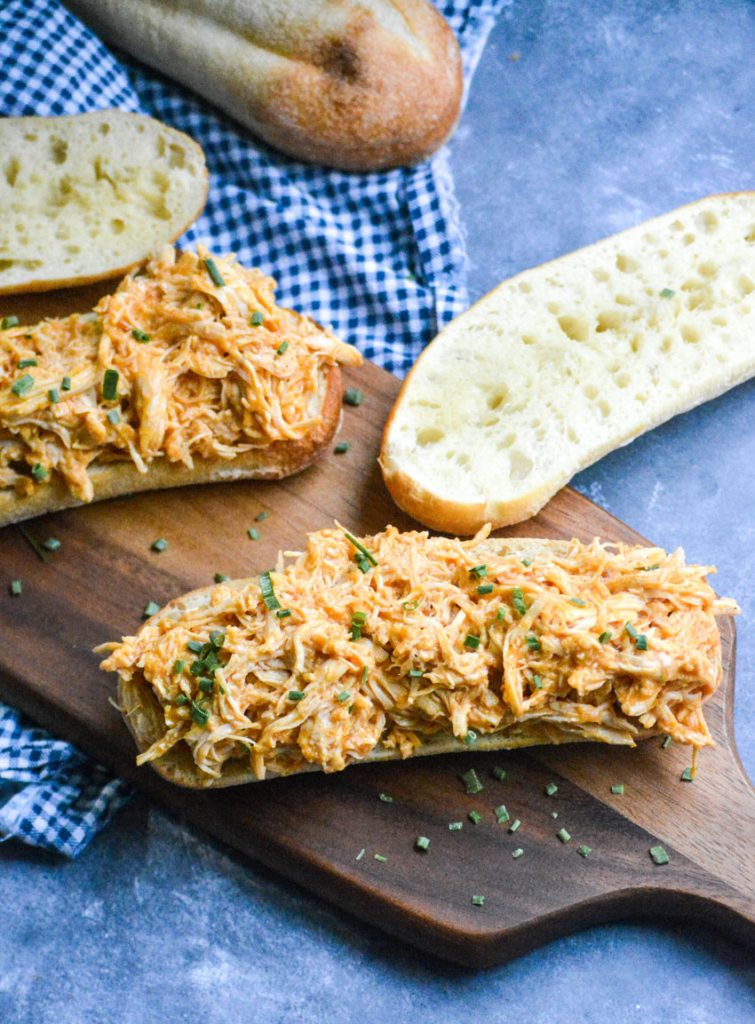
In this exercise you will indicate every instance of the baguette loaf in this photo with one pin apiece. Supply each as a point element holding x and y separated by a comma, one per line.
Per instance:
<point>438,646</point>
<point>354,84</point>
<point>563,363</point>
<point>88,197</point>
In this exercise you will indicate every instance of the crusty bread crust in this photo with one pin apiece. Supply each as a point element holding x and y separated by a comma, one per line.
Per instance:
<point>272,462</point>
<point>143,715</point>
<point>465,518</point>
<point>346,85</point>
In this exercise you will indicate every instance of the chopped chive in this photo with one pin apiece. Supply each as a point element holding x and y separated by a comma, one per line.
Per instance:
<point>527,562</point>
<point>114,417</point>
<point>471,737</point>
<point>343,696</point>
<point>296,695</point>
<point>9,321</point>
<point>281,349</point>
<point>605,637</point>
<point>422,843</point>
<point>261,517</point>
<point>39,472</point>
<point>16,588</point>
<point>257,318</point>
<point>342,447</point>
<point>385,797</point>
<point>23,385</point>
<point>578,602</point>
<point>472,642</point>
<point>217,638</point>
<point>471,782</point>
<point>110,385</point>
<point>659,855</point>
<point>551,789</point>
<point>159,545</point>
<point>554,814</point>
<point>268,592</point>
<point>500,615</point>
<point>182,699</point>
<point>141,336</point>
<point>563,835</point>
<point>358,620</point>
<point>365,674</point>
<point>416,673</point>
<point>455,826</point>
<point>517,853</point>
<point>151,608</point>
<point>501,814</point>
<point>195,646</point>
<point>666,742</point>
<point>206,685</point>
<point>363,565</point>
<point>584,851</point>
<point>475,817</point>
<point>517,598</point>
<point>667,293</point>
<point>361,854</point>
<point>353,397</point>
<point>179,665</point>
<point>252,533</point>
<point>642,643</point>
<point>533,643</point>
<point>687,775</point>
<point>54,396</point>
<point>51,544</point>
<point>283,613</point>
<point>515,825</point>
<point>220,577</point>
<point>212,270</point>
<point>23,363</point>
<point>34,544</point>
<point>200,715</point>
<point>478,901</point>
<point>485,588</point>
<point>65,384</point>
<point>618,789</point>
<point>537,681</point>
<point>499,773</point>
<point>651,568</point>
<point>380,857</point>
<point>367,555</point>
<point>410,606</point>
<point>479,571</point>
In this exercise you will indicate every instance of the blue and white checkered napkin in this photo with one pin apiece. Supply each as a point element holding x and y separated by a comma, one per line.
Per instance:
<point>378,256</point>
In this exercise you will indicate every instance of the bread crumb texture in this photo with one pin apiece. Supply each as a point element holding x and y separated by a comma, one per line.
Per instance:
<point>567,361</point>
<point>90,195</point>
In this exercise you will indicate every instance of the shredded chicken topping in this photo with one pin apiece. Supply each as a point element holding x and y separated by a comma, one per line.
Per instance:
<point>331,657</point>
<point>173,365</point>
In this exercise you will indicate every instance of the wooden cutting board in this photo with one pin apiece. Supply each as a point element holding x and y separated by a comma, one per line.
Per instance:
<point>312,828</point>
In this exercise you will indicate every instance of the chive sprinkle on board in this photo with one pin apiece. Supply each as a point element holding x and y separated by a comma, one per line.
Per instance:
<point>687,775</point>
<point>353,397</point>
<point>455,826</point>
<point>499,773</point>
<point>151,608</point>
<point>618,789</point>
<point>380,857</point>
<point>515,825</point>
<point>475,817</point>
<point>517,853</point>
<point>253,533</point>
<point>666,743</point>
<point>471,782</point>
<point>342,447</point>
<point>422,843</point>
<point>551,789</point>
<point>385,797</point>
<point>478,901</point>
<point>584,851</point>
<point>659,855</point>
<point>261,516</point>
<point>159,545</point>
<point>52,544</point>
<point>361,854</point>
<point>16,588</point>
<point>563,835</point>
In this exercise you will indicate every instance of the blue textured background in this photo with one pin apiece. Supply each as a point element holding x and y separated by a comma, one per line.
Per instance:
<point>614,112</point>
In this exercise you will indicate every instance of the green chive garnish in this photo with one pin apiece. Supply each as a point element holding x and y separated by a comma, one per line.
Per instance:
<point>578,602</point>
<point>584,851</point>
<point>252,533</point>
<point>141,336</point>
<point>667,293</point>
<point>515,825</point>
<point>618,789</point>
<point>517,598</point>
<point>422,843</point>
<point>517,853</point>
<point>9,321</point>
<point>110,385</point>
<point>666,742</point>
<point>537,682</point>
<point>353,397</point>
<point>39,472</point>
<point>283,613</point>
<point>220,577</point>
<point>257,318</point>
<point>471,782</point>
<point>416,673</point>
<point>358,620</point>
<point>261,517</point>
<point>687,775</point>
<point>366,555</point>
<point>485,588</point>
<point>65,384</point>
<point>471,737</point>
<point>114,417</point>
<point>295,695</point>
<point>51,544</point>
<point>551,789</point>
<point>199,714</point>
<point>385,797</point>
<point>281,349</point>
<point>605,637</point>
<point>159,545</point>
<point>342,447</point>
<point>206,685</point>
<point>478,901</point>
<point>533,643</point>
<point>23,385</point>
<point>479,571</point>
<point>563,835</point>
<point>500,615</point>
<point>659,855</point>
<point>380,857</point>
<point>501,814</point>
<point>23,363</point>
<point>268,592</point>
<point>54,396</point>
<point>212,270</point>
<point>475,817</point>
<point>151,608</point>
<point>361,854</point>
<point>195,646</point>
<point>499,773</point>
<point>455,826</point>
<point>181,699</point>
<point>179,665</point>
<point>16,588</point>
<point>472,642</point>
<point>527,562</point>
<point>343,696</point>
<point>217,638</point>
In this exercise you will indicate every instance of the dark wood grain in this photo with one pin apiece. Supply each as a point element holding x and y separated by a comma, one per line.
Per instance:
<point>312,828</point>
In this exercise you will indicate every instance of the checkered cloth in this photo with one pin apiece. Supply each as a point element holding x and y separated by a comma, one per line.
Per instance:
<point>377,256</point>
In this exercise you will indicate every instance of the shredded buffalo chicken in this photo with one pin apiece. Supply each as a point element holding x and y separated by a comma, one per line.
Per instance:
<point>332,657</point>
<point>189,359</point>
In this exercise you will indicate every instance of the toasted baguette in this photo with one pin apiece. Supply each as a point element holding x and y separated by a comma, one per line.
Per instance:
<point>273,462</point>
<point>88,197</point>
<point>143,715</point>
<point>356,85</point>
<point>563,363</point>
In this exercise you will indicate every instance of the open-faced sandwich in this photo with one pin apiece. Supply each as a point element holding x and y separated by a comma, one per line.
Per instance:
<point>368,649</point>
<point>188,372</point>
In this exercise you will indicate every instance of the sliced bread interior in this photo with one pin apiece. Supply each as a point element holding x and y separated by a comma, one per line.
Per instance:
<point>87,197</point>
<point>563,363</point>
